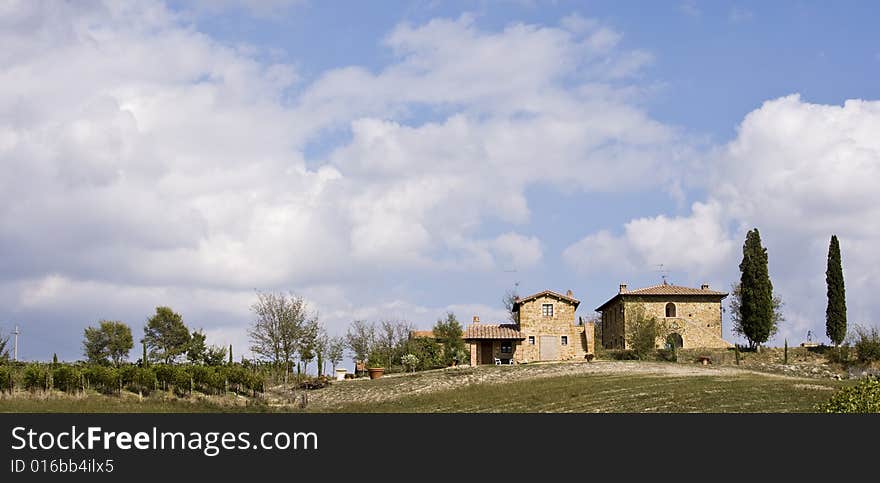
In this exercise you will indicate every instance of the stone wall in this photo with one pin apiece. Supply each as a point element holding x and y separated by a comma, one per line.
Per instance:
<point>532,323</point>
<point>697,319</point>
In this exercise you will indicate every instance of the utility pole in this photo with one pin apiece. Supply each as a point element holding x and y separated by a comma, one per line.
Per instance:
<point>15,344</point>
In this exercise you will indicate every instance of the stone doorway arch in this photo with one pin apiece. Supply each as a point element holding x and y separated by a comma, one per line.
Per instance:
<point>674,340</point>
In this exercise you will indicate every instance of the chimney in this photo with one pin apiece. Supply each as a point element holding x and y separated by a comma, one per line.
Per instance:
<point>705,286</point>
<point>569,293</point>
<point>476,319</point>
<point>622,288</point>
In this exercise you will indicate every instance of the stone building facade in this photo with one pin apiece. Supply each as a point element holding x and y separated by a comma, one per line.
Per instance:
<point>544,330</point>
<point>692,316</point>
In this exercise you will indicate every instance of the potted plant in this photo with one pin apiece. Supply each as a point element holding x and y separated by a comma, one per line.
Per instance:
<point>374,368</point>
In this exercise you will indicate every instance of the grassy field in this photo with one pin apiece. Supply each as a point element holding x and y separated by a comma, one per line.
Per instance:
<point>607,386</point>
<point>620,393</point>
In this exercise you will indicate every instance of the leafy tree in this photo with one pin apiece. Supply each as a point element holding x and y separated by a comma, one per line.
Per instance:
<point>214,356</point>
<point>835,312</point>
<point>307,345</point>
<point>360,339</point>
<point>276,333</point>
<point>735,304</point>
<point>336,351</point>
<point>110,341</point>
<point>642,331</point>
<point>166,336</point>
<point>449,333</point>
<point>195,353</point>
<point>756,317</point>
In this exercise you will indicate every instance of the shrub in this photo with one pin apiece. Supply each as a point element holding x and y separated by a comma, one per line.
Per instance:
<point>410,361</point>
<point>142,380</point>
<point>164,374</point>
<point>7,378</point>
<point>65,378</point>
<point>867,344</point>
<point>102,379</point>
<point>36,377</point>
<point>839,355</point>
<point>861,398</point>
<point>621,355</point>
<point>667,355</point>
<point>314,382</point>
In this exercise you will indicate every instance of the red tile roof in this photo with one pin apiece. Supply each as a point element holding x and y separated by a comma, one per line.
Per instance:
<point>421,333</point>
<point>500,331</point>
<point>550,293</point>
<point>667,290</point>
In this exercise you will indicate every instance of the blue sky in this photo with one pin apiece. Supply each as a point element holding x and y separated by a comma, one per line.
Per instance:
<point>395,160</point>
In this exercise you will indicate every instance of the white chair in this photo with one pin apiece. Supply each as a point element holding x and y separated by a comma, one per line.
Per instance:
<point>497,361</point>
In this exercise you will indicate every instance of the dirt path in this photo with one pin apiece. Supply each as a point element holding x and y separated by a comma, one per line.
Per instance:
<point>397,385</point>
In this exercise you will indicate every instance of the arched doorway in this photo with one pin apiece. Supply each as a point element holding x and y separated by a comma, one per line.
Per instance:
<point>674,340</point>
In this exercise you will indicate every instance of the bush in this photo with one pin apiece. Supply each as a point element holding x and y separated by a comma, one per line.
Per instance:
<point>102,379</point>
<point>36,377</point>
<point>861,398</point>
<point>314,382</point>
<point>621,355</point>
<point>7,378</point>
<point>667,355</point>
<point>867,344</point>
<point>839,355</point>
<point>66,378</point>
<point>142,380</point>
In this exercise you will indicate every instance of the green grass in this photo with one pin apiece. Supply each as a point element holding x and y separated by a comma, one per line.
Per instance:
<point>620,393</point>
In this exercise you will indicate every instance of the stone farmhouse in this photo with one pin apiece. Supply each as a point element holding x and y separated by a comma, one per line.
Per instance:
<point>544,330</point>
<point>693,316</point>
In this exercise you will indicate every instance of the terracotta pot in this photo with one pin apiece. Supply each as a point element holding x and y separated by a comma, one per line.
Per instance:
<point>376,372</point>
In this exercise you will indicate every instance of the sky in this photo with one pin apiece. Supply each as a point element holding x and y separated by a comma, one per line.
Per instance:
<point>399,160</point>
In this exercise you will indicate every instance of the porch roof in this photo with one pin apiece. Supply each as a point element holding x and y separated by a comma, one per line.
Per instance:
<point>500,331</point>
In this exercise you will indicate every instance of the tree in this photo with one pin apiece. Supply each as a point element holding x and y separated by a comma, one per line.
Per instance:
<point>509,300</point>
<point>735,304</point>
<point>756,321</point>
<point>4,347</point>
<point>642,332</point>
<point>110,341</point>
<point>835,312</point>
<point>277,331</point>
<point>360,339</point>
<point>166,336</point>
<point>449,333</point>
<point>322,347</point>
<point>214,356</point>
<point>308,343</point>
<point>195,353</point>
<point>336,351</point>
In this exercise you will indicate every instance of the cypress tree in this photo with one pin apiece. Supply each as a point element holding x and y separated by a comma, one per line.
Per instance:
<point>835,313</point>
<point>756,292</point>
<point>230,354</point>
<point>145,362</point>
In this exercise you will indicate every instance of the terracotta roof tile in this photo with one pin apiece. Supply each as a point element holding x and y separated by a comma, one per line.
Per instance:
<point>500,331</point>
<point>551,293</point>
<point>421,333</point>
<point>673,290</point>
<point>664,289</point>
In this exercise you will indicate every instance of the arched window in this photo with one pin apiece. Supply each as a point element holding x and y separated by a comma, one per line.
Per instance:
<point>670,309</point>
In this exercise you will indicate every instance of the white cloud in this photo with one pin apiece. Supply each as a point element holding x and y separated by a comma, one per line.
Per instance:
<point>697,244</point>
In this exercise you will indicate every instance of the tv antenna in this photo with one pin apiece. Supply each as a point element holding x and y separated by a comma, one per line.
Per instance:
<point>664,273</point>
<point>15,344</point>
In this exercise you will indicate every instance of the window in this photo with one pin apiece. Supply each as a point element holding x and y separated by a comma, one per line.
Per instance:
<point>564,340</point>
<point>531,340</point>
<point>547,310</point>
<point>506,347</point>
<point>670,309</point>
